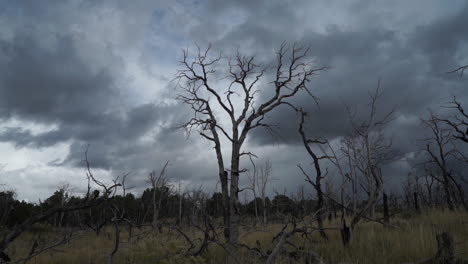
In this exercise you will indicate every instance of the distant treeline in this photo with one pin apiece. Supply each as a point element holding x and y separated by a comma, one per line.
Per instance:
<point>173,207</point>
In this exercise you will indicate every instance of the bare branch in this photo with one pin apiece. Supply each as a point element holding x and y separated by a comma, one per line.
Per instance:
<point>460,69</point>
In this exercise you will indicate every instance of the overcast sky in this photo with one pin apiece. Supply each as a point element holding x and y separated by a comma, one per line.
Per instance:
<point>79,72</point>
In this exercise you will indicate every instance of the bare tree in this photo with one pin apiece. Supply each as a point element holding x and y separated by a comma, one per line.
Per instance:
<point>412,189</point>
<point>158,183</point>
<point>429,182</point>
<point>259,177</point>
<point>119,216</point>
<point>291,75</point>
<point>458,122</point>
<point>440,150</point>
<point>88,201</point>
<point>441,139</point>
<point>263,180</point>
<point>365,151</point>
<point>348,147</point>
<point>368,149</point>
<point>181,198</point>
<point>317,184</point>
<point>253,176</point>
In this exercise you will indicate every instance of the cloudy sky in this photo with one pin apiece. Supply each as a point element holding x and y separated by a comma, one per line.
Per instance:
<point>79,72</point>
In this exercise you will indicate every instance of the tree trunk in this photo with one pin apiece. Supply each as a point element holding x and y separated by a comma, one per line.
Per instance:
<point>445,174</point>
<point>460,192</point>
<point>447,192</point>
<point>416,202</point>
<point>234,214</point>
<point>319,208</point>
<point>116,243</point>
<point>385,208</point>
<point>256,209</point>
<point>346,233</point>
<point>155,208</point>
<point>225,193</point>
<point>180,209</point>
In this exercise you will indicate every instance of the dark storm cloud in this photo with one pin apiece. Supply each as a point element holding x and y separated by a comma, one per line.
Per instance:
<point>51,83</point>
<point>411,67</point>
<point>65,65</point>
<point>54,86</point>
<point>46,79</point>
<point>409,53</point>
<point>25,138</point>
<point>443,41</point>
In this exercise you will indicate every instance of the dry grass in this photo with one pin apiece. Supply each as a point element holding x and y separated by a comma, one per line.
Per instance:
<point>412,239</point>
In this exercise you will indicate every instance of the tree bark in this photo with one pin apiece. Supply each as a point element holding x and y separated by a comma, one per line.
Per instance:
<point>234,214</point>
<point>318,176</point>
<point>225,197</point>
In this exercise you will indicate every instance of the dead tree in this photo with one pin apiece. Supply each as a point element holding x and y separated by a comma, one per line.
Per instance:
<point>87,202</point>
<point>429,182</point>
<point>440,150</point>
<point>299,198</point>
<point>317,184</point>
<point>119,217</point>
<point>283,245</point>
<point>40,245</point>
<point>239,104</point>
<point>413,190</point>
<point>158,183</point>
<point>281,239</point>
<point>263,180</point>
<point>365,150</point>
<point>259,178</point>
<point>253,179</point>
<point>368,149</point>
<point>180,195</point>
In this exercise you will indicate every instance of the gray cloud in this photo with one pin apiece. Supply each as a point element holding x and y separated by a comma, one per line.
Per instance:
<point>412,81</point>
<point>409,53</point>
<point>70,65</point>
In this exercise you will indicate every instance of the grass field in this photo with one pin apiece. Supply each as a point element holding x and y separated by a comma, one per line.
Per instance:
<point>412,239</point>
